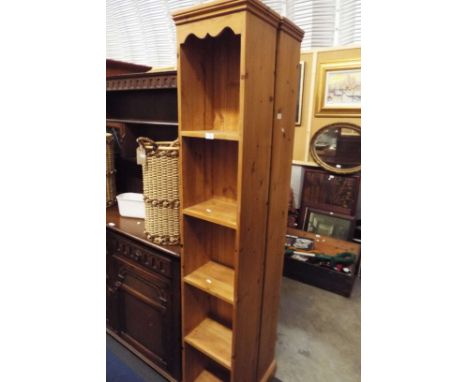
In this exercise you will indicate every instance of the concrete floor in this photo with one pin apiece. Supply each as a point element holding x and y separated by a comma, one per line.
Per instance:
<point>319,337</point>
<point>319,334</point>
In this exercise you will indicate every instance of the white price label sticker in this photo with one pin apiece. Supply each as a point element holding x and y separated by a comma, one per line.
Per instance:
<point>141,155</point>
<point>209,135</point>
<point>279,116</point>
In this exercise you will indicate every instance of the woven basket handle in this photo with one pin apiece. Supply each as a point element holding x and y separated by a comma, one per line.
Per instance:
<point>144,142</point>
<point>149,144</point>
<point>168,144</point>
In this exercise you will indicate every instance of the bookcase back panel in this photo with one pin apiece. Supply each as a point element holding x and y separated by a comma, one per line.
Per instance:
<point>210,68</point>
<point>203,368</point>
<point>205,242</point>
<point>209,170</point>
<point>201,306</point>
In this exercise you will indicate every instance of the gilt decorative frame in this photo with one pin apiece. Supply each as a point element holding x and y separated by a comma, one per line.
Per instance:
<point>338,90</point>
<point>319,160</point>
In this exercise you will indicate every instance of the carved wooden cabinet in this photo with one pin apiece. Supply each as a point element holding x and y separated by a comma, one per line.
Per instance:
<point>143,279</point>
<point>143,307</point>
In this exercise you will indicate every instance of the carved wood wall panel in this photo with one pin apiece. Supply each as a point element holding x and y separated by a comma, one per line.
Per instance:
<point>146,81</point>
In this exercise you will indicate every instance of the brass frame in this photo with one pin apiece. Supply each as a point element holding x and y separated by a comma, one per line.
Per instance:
<point>325,165</point>
<point>320,109</point>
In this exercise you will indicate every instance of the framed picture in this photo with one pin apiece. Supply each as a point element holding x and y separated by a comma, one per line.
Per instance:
<point>300,91</point>
<point>338,93</point>
<point>327,225</point>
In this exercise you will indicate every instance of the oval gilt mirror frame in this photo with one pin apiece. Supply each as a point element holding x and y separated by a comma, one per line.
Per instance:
<point>337,148</point>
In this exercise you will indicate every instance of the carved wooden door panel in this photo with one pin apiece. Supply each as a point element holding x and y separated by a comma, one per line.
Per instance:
<point>144,311</point>
<point>329,192</point>
<point>111,302</point>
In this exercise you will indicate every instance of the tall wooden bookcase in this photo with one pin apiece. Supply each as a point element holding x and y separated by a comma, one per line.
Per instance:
<point>237,81</point>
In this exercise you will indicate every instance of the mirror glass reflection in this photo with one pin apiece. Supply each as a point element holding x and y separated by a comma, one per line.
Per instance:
<point>339,147</point>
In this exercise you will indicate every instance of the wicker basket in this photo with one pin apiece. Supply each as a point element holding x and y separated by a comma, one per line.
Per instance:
<point>110,171</point>
<point>161,190</point>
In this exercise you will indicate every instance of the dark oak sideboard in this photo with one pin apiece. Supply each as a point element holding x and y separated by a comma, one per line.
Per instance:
<point>143,294</point>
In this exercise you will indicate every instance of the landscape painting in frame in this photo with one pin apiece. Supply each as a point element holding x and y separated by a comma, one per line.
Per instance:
<point>343,89</point>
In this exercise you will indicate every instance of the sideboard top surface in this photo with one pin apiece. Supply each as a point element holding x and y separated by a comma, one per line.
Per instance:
<point>134,228</point>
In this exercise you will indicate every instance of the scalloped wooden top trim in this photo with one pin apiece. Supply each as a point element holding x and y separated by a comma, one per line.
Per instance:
<point>223,7</point>
<point>215,31</point>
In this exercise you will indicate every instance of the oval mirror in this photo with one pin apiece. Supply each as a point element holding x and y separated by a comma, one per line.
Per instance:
<point>337,148</point>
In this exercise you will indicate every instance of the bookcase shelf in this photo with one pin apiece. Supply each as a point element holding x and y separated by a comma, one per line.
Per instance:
<point>215,210</point>
<point>214,279</point>
<point>204,368</point>
<point>142,122</point>
<point>212,339</point>
<point>211,134</point>
<point>206,376</point>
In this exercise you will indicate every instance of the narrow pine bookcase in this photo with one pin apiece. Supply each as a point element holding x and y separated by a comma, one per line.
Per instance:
<point>236,104</point>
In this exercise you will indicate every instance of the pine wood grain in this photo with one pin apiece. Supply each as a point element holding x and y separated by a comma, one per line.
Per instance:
<point>214,279</point>
<point>287,60</point>
<point>212,339</point>
<point>215,210</point>
<point>257,94</point>
<point>206,376</point>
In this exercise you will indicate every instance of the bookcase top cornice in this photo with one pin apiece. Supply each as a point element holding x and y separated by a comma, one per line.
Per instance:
<point>292,29</point>
<point>225,7</point>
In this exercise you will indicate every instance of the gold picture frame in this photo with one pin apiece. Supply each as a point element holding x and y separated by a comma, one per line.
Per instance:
<point>338,93</point>
<point>300,92</point>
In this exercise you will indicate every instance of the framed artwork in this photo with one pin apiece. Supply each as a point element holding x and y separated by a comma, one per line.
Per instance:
<point>338,93</point>
<point>300,91</point>
<point>327,225</point>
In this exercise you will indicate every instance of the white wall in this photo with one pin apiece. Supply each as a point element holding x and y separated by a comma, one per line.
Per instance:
<point>297,178</point>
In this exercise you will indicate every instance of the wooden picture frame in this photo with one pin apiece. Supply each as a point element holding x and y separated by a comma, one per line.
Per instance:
<point>300,92</point>
<point>328,224</point>
<point>338,93</point>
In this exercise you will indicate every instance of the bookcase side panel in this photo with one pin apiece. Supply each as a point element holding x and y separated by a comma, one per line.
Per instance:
<point>287,61</point>
<point>257,91</point>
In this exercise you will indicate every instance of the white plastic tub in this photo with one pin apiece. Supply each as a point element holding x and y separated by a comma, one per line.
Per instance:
<point>131,205</point>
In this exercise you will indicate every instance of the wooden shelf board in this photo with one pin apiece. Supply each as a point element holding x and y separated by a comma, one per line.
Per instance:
<point>214,279</point>
<point>215,210</point>
<point>212,339</point>
<point>211,134</point>
<point>206,376</point>
<point>143,122</point>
